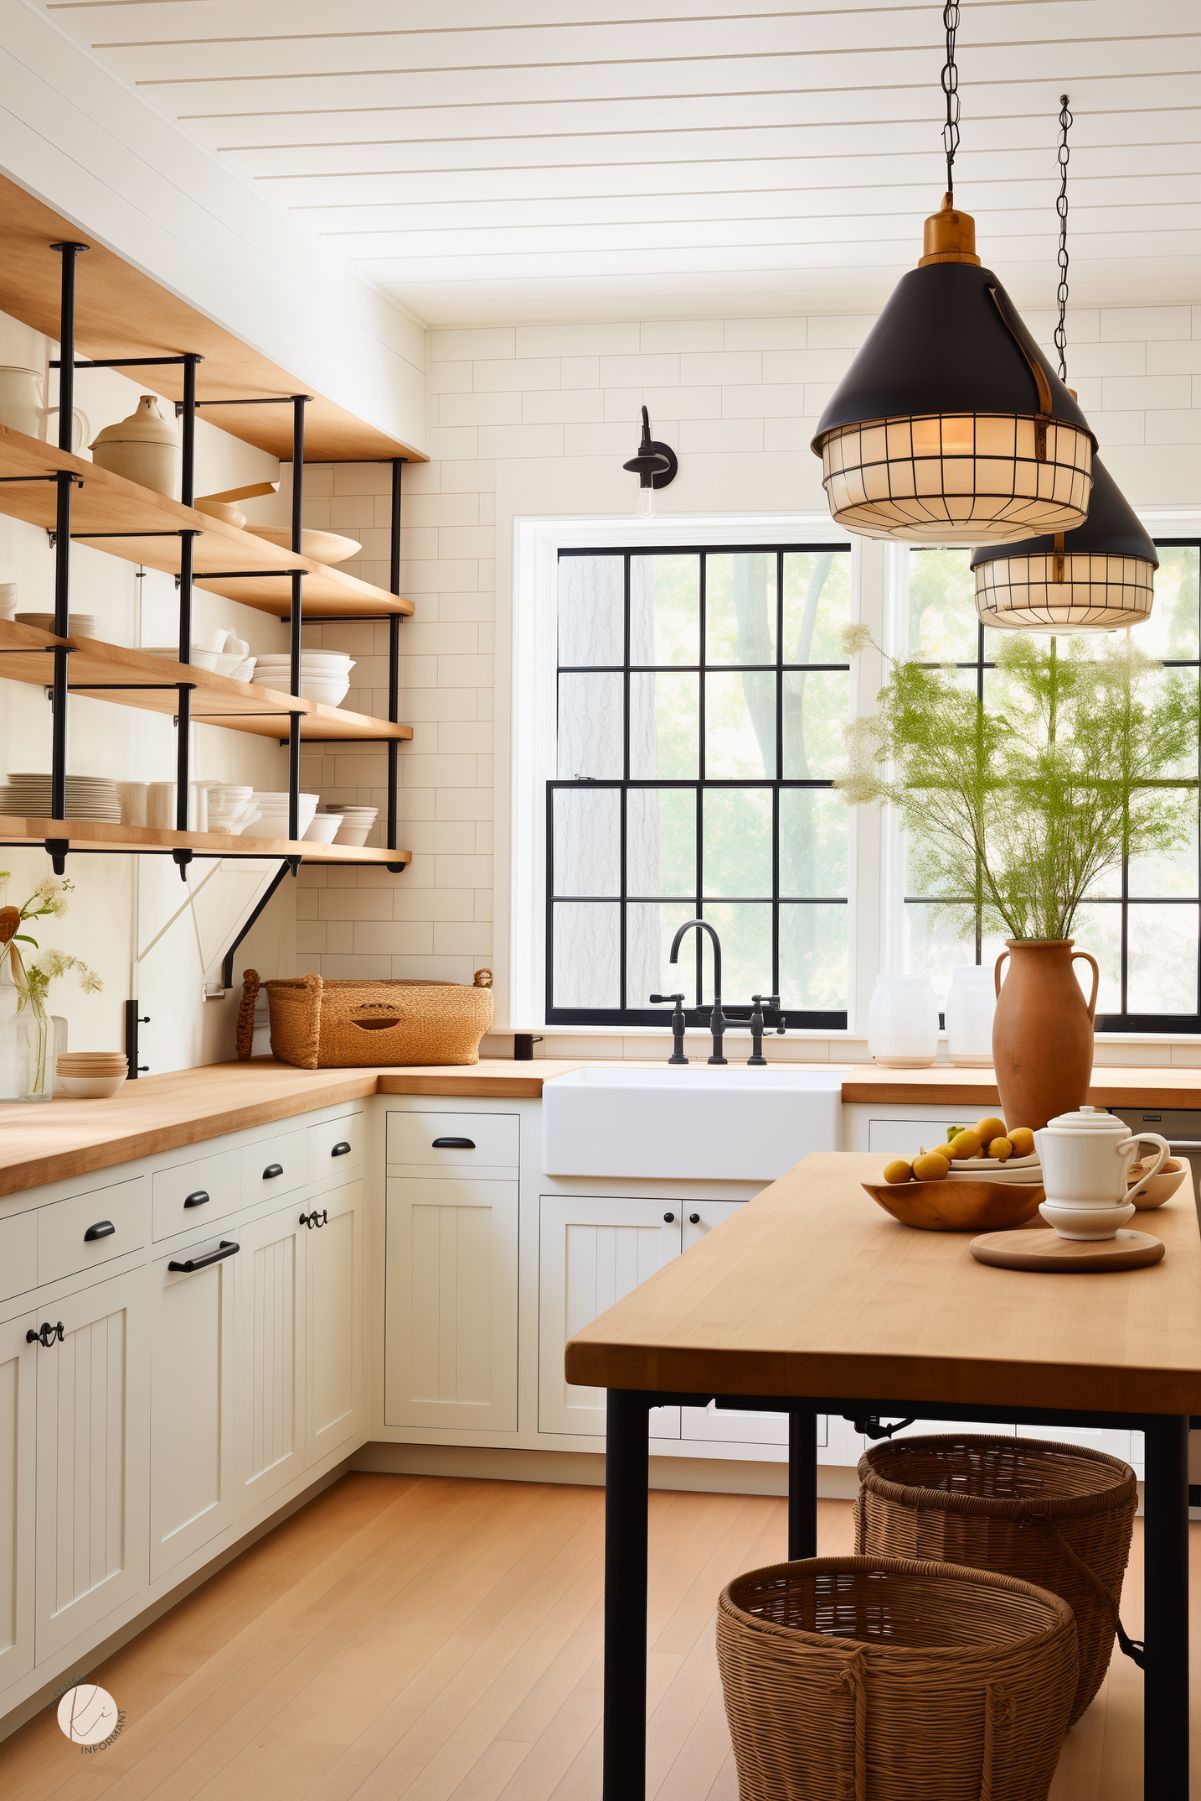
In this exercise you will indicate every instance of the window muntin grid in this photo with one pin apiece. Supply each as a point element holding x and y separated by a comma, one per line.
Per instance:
<point>702,694</point>
<point>1144,926</point>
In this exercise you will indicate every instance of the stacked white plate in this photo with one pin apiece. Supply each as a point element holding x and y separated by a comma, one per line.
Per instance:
<point>272,821</point>
<point>324,674</point>
<point>88,796</point>
<point>987,1169</point>
<point>356,823</point>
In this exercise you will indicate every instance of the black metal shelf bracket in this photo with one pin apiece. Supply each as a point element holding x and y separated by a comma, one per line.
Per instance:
<point>70,252</point>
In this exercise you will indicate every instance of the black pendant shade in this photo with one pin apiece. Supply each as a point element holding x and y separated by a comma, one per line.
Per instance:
<point>1096,578</point>
<point>950,426</point>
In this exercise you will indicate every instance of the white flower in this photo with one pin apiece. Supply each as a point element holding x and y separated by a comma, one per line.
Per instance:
<point>856,638</point>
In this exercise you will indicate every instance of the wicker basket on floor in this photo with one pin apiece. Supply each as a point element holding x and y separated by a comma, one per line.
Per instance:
<point>881,1679</point>
<point>1057,1515</point>
<point>317,1024</point>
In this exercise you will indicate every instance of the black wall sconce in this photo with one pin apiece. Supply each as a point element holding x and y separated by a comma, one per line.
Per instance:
<point>655,466</point>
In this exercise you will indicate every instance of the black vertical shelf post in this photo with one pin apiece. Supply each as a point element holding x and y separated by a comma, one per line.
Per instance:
<point>394,652</point>
<point>183,720</point>
<point>296,621</point>
<point>68,251</point>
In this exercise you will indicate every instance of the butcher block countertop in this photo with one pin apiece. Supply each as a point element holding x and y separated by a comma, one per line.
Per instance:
<point>66,1138</point>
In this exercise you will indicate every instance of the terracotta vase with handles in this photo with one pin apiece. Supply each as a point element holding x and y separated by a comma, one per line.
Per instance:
<point>1042,1036</point>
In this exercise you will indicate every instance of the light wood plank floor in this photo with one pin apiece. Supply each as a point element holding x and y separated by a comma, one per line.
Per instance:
<point>440,1641</point>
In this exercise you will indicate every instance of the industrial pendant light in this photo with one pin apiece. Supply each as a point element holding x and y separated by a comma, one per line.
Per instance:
<point>1097,578</point>
<point>950,426</point>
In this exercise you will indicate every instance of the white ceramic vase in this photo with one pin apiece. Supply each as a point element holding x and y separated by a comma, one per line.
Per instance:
<point>971,1003</point>
<point>902,1022</point>
<point>143,448</point>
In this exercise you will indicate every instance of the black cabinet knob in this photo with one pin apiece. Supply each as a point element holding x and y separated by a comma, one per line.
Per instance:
<point>306,1219</point>
<point>669,1219</point>
<point>694,1219</point>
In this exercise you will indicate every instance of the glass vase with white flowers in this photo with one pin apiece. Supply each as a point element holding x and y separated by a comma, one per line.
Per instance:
<point>26,1030</point>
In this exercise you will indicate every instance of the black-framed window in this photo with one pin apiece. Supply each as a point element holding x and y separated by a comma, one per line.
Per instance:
<point>702,699</point>
<point>1143,924</point>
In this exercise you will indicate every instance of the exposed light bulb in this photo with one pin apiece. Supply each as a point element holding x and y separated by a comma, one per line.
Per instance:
<point>645,508</point>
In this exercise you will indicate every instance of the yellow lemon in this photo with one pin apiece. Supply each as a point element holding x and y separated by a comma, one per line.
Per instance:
<point>898,1171</point>
<point>1022,1140</point>
<point>1000,1149</point>
<point>989,1128</point>
<point>931,1166</point>
<point>966,1145</point>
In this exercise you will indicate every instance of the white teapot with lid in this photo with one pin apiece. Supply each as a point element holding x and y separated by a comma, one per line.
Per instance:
<point>1086,1158</point>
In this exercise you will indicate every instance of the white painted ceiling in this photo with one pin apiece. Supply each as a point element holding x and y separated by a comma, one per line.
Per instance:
<point>485,160</point>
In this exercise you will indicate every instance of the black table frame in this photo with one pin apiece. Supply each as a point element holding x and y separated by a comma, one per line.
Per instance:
<point>627,1473</point>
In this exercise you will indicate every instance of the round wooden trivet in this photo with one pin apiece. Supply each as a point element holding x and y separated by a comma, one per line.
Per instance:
<point>1046,1250</point>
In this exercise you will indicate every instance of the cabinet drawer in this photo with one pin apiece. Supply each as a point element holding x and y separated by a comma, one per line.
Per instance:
<point>92,1228</point>
<point>337,1148</point>
<point>18,1254</point>
<point>194,1194</point>
<point>453,1140</point>
<point>274,1166</point>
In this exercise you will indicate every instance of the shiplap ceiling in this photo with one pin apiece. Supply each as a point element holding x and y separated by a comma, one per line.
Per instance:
<point>486,160</point>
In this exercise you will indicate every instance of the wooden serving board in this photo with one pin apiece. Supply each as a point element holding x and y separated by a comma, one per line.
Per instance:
<point>1046,1250</point>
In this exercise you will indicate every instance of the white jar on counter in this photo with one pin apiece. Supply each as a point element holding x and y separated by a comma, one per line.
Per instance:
<point>902,1022</point>
<point>971,1003</point>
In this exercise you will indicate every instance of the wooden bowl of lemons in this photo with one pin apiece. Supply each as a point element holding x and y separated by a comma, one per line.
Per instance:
<point>958,1206</point>
<point>966,1184</point>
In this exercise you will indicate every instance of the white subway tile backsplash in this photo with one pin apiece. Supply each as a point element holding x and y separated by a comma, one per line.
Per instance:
<point>580,371</point>
<point>560,404</point>
<point>726,368</point>
<point>1144,322</point>
<point>1146,391</point>
<point>448,442</point>
<point>681,334</point>
<point>780,400</point>
<point>661,370</point>
<point>521,440</point>
<point>492,341</point>
<point>1176,426</point>
<point>1174,358</point>
<point>478,409</point>
<point>450,378</point>
<point>522,373</point>
<point>712,437</point>
<point>622,404</point>
<point>766,334</point>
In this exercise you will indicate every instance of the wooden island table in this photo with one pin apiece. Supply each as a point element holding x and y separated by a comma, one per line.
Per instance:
<point>812,1300</point>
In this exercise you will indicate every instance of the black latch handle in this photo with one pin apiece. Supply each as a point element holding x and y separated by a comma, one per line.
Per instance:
<point>453,1144</point>
<point>187,1266</point>
<point>104,1228</point>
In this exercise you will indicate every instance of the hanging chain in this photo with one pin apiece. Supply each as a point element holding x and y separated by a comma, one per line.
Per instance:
<point>1061,207</point>
<point>950,87</point>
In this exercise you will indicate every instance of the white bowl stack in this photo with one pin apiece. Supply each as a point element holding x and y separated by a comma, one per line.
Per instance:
<point>324,828</point>
<point>324,674</point>
<point>231,807</point>
<point>90,1075</point>
<point>356,822</point>
<point>272,821</point>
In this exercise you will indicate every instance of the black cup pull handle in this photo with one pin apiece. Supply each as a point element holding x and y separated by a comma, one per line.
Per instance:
<point>694,1219</point>
<point>104,1228</point>
<point>187,1265</point>
<point>453,1144</point>
<point>200,1198</point>
<point>272,1170</point>
<point>340,1150</point>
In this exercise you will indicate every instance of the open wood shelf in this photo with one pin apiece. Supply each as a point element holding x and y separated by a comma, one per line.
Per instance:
<point>100,835</point>
<point>121,311</point>
<point>135,678</point>
<point>103,503</point>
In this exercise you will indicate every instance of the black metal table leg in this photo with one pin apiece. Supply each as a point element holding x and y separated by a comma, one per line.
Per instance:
<point>627,1468</point>
<point>1166,1586</point>
<point>802,1482</point>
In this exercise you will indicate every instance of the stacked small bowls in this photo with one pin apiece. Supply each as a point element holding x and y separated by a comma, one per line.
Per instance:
<point>272,821</point>
<point>356,823</point>
<point>90,1075</point>
<point>324,674</point>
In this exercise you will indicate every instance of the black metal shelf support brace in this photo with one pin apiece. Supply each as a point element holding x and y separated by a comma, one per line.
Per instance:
<point>394,657</point>
<point>296,621</point>
<point>69,251</point>
<point>183,718</point>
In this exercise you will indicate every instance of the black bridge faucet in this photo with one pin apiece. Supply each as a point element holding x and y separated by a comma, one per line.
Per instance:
<point>717,1019</point>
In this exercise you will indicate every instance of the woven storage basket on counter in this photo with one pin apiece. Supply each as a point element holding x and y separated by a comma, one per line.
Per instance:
<point>881,1679</point>
<point>1057,1515</point>
<point>317,1024</point>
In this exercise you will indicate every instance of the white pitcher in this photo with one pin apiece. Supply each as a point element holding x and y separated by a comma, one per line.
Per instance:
<point>22,408</point>
<point>1086,1158</point>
